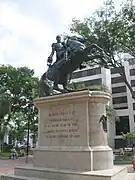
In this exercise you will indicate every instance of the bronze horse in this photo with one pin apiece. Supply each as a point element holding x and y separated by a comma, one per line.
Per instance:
<point>60,73</point>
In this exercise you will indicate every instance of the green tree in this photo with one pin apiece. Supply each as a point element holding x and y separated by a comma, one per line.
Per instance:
<point>82,86</point>
<point>18,127</point>
<point>4,103</point>
<point>112,30</point>
<point>21,87</point>
<point>130,137</point>
<point>4,114</point>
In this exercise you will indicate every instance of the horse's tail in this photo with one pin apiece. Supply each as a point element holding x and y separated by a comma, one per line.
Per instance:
<point>43,77</point>
<point>44,87</point>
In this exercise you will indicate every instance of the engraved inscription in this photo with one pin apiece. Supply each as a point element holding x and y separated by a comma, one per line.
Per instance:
<point>61,123</point>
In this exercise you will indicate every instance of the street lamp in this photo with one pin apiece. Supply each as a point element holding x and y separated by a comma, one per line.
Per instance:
<point>28,130</point>
<point>30,109</point>
<point>28,135</point>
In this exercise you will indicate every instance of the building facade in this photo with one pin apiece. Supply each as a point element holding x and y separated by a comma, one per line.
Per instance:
<point>122,100</point>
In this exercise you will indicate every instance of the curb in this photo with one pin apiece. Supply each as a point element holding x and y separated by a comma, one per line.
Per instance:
<point>4,158</point>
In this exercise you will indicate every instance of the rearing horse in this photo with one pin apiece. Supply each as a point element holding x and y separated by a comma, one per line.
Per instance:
<point>77,53</point>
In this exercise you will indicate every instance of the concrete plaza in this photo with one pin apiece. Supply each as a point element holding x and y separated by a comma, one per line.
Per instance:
<point>7,166</point>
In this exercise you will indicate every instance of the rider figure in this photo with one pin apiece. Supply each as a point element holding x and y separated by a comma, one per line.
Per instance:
<point>59,48</point>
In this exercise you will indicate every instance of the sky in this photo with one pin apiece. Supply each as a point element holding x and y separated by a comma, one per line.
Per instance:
<point>29,27</point>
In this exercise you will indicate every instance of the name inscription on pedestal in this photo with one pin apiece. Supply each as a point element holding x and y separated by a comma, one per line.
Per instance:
<point>61,123</point>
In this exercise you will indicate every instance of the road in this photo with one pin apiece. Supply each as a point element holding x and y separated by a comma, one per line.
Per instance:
<point>7,166</point>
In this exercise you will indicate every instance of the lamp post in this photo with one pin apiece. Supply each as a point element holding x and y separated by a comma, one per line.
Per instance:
<point>28,131</point>
<point>28,135</point>
<point>30,110</point>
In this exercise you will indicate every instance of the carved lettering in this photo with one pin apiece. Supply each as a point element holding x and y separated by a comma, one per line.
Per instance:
<point>61,123</point>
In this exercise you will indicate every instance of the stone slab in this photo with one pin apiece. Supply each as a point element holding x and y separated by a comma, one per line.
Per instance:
<point>117,173</point>
<point>71,135</point>
<point>74,158</point>
<point>72,119</point>
<point>13,177</point>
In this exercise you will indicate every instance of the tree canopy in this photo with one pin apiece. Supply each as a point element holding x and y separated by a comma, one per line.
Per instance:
<point>110,29</point>
<point>18,88</point>
<point>113,31</point>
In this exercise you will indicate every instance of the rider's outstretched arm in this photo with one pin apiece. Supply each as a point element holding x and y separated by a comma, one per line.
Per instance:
<point>53,51</point>
<point>49,61</point>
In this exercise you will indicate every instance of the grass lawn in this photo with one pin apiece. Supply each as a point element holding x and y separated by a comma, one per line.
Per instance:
<point>123,159</point>
<point>4,154</point>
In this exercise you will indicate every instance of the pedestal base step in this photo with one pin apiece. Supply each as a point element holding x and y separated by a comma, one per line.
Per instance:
<point>14,177</point>
<point>36,173</point>
<point>129,176</point>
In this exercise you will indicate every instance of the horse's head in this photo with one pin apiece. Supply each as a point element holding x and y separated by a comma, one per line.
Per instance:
<point>74,44</point>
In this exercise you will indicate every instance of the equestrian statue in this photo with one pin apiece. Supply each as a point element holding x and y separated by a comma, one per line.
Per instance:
<point>70,55</point>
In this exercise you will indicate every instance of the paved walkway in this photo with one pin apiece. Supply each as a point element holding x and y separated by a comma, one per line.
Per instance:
<point>7,166</point>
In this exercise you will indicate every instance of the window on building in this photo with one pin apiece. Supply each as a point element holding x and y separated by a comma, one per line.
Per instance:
<point>118,108</point>
<point>89,72</point>
<point>122,125</point>
<point>133,106</point>
<point>119,89</point>
<point>133,83</point>
<point>119,100</point>
<point>76,75</point>
<point>131,61</point>
<point>132,72</point>
<point>134,118</point>
<point>120,143</point>
<point>118,79</point>
<point>117,70</point>
<point>91,82</point>
<point>94,71</point>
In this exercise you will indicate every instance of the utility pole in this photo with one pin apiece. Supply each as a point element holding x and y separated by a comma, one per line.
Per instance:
<point>28,132</point>
<point>28,135</point>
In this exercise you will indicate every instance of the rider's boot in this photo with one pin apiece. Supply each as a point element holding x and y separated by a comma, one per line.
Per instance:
<point>66,89</point>
<point>55,87</point>
<point>56,80</point>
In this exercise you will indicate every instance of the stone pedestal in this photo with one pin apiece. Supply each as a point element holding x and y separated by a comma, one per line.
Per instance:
<point>72,143</point>
<point>71,135</point>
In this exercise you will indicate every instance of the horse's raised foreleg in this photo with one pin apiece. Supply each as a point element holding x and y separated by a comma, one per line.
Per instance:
<point>66,83</point>
<point>56,81</point>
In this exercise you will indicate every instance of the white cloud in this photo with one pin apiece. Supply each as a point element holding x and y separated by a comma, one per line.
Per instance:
<point>21,26</point>
<point>27,28</point>
<point>78,9</point>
